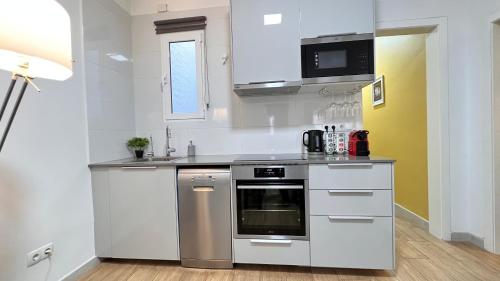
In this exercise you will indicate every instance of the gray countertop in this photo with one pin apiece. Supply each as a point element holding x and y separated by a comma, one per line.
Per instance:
<point>211,160</point>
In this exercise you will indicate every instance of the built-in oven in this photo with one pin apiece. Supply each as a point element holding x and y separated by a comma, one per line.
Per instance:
<point>342,58</point>
<point>270,202</point>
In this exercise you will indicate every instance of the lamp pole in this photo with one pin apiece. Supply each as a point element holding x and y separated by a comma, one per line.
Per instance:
<point>7,97</point>
<point>16,106</point>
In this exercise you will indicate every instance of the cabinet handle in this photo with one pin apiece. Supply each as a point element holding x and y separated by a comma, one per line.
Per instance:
<point>368,165</point>
<point>350,218</point>
<point>338,34</point>
<point>140,168</point>
<point>267,82</point>
<point>350,192</point>
<point>262,241</point>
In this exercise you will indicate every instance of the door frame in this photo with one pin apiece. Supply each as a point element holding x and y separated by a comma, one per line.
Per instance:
<point>495,86</point>
<point>438,104</point>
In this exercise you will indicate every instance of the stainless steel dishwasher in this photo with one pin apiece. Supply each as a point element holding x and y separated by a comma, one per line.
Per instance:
<point>205,217</point>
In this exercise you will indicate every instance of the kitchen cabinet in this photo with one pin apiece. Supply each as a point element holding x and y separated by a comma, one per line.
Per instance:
<point>102,220</point>
<point>366,176</point>
<point>136,213</point>
<point>351,242</point>
<point>265,42</point>
<point>279,252</point>
<point>352,215</point>
<point>333,17</point>
<point>351,202</point>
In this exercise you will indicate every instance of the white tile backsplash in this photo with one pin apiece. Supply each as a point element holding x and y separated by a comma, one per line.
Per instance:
<point>147,65</point>
<point>125,99</point>
<point>109,83</point>
<point>261,124</point>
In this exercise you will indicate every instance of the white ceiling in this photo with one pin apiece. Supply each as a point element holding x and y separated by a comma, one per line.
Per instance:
<point>125,4</point>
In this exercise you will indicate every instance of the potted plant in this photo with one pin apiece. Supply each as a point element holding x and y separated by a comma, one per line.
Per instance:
<point>138,145</point>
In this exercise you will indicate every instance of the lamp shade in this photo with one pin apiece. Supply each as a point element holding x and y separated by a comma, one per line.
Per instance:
<point>35,39</point>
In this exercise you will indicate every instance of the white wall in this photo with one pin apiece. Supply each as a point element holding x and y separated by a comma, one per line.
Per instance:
<point>271,124</point>
<point>45,193</point>
<point>142,7</point>
<point>109,84</point>
<point>496,120</point>
<point>470,98</point>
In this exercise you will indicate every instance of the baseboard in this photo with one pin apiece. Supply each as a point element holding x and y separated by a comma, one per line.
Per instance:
<point>467,237</point>
<point>80,271</point>
<point>412,217</point>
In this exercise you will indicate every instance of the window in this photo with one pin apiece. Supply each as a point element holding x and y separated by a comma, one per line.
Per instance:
<point>184,79</point>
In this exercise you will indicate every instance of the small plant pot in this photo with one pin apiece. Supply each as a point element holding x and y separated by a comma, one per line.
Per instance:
<point>139,154</point>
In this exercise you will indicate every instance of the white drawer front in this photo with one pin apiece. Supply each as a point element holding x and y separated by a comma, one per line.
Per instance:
<point>351,202</point>
<point>352,243</point>
<point>285,252</point>
<point>351,176</point>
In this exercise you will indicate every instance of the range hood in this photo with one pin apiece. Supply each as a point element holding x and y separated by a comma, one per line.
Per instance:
<point>268,88</point>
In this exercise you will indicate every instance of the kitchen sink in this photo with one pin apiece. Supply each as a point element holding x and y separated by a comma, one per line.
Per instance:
<point>158,159</point>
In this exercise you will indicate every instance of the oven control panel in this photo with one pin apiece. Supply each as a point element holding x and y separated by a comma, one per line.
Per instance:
<point>269,172</point>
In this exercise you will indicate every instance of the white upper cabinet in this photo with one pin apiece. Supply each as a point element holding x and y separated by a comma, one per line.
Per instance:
<point>321,18</point>
<point>266,41</point>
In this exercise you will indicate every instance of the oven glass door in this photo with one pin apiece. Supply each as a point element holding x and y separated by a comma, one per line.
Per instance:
<point>338,59</point>
<point>271,208</point>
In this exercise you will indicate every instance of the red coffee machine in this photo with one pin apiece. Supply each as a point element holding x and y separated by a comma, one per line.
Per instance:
<point>358,143</point>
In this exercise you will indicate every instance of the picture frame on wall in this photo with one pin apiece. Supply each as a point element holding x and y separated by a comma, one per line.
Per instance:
<point>378,92</point>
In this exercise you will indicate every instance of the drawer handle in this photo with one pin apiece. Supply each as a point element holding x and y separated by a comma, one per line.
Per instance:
<point>262,241</point>
<point>349,218</point>
<point>368,192</point>
<point>140,168</point>
<point>367,165</point>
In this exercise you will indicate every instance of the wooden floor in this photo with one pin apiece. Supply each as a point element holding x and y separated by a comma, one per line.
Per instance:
<point>419,257</point>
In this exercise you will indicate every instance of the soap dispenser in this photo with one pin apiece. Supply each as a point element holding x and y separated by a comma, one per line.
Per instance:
<point>191,149</point>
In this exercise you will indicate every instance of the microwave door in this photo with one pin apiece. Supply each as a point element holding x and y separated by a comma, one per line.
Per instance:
<point>341,59</point>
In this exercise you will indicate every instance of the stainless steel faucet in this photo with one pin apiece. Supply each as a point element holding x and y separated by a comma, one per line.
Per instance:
<point>168,149</point>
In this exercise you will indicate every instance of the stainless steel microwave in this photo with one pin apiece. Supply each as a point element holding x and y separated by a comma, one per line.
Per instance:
<point>335,59</point>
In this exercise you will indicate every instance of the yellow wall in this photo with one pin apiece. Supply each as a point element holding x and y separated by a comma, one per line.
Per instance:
<point>398,129</point>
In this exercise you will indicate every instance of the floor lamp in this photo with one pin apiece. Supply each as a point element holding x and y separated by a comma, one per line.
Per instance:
<point>35,42</point>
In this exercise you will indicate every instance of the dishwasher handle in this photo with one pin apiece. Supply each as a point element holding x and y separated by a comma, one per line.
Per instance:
<point>203,183</point>
<point>201,188</point>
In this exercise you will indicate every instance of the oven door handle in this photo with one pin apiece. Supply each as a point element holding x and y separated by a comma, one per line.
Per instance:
<point>270,187</point>
<point>264,241</point>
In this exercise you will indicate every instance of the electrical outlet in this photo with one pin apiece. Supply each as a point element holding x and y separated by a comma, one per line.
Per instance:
<point>40,254</point>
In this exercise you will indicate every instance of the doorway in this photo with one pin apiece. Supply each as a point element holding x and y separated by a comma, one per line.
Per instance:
<point>398,123</point>
<point>437,114</point>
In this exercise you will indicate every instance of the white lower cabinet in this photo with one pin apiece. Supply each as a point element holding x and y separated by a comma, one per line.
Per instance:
<point>352,242</point>
<point>281,252</point>
<point>351,202</point>
<point>351,215</point>
<point>351,176</point>
<point>136,213</point>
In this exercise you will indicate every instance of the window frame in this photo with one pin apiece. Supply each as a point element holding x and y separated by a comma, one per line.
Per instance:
<point>199,37</point>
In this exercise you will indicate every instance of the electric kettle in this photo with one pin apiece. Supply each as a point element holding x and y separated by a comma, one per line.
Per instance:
<point>314,141</point>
